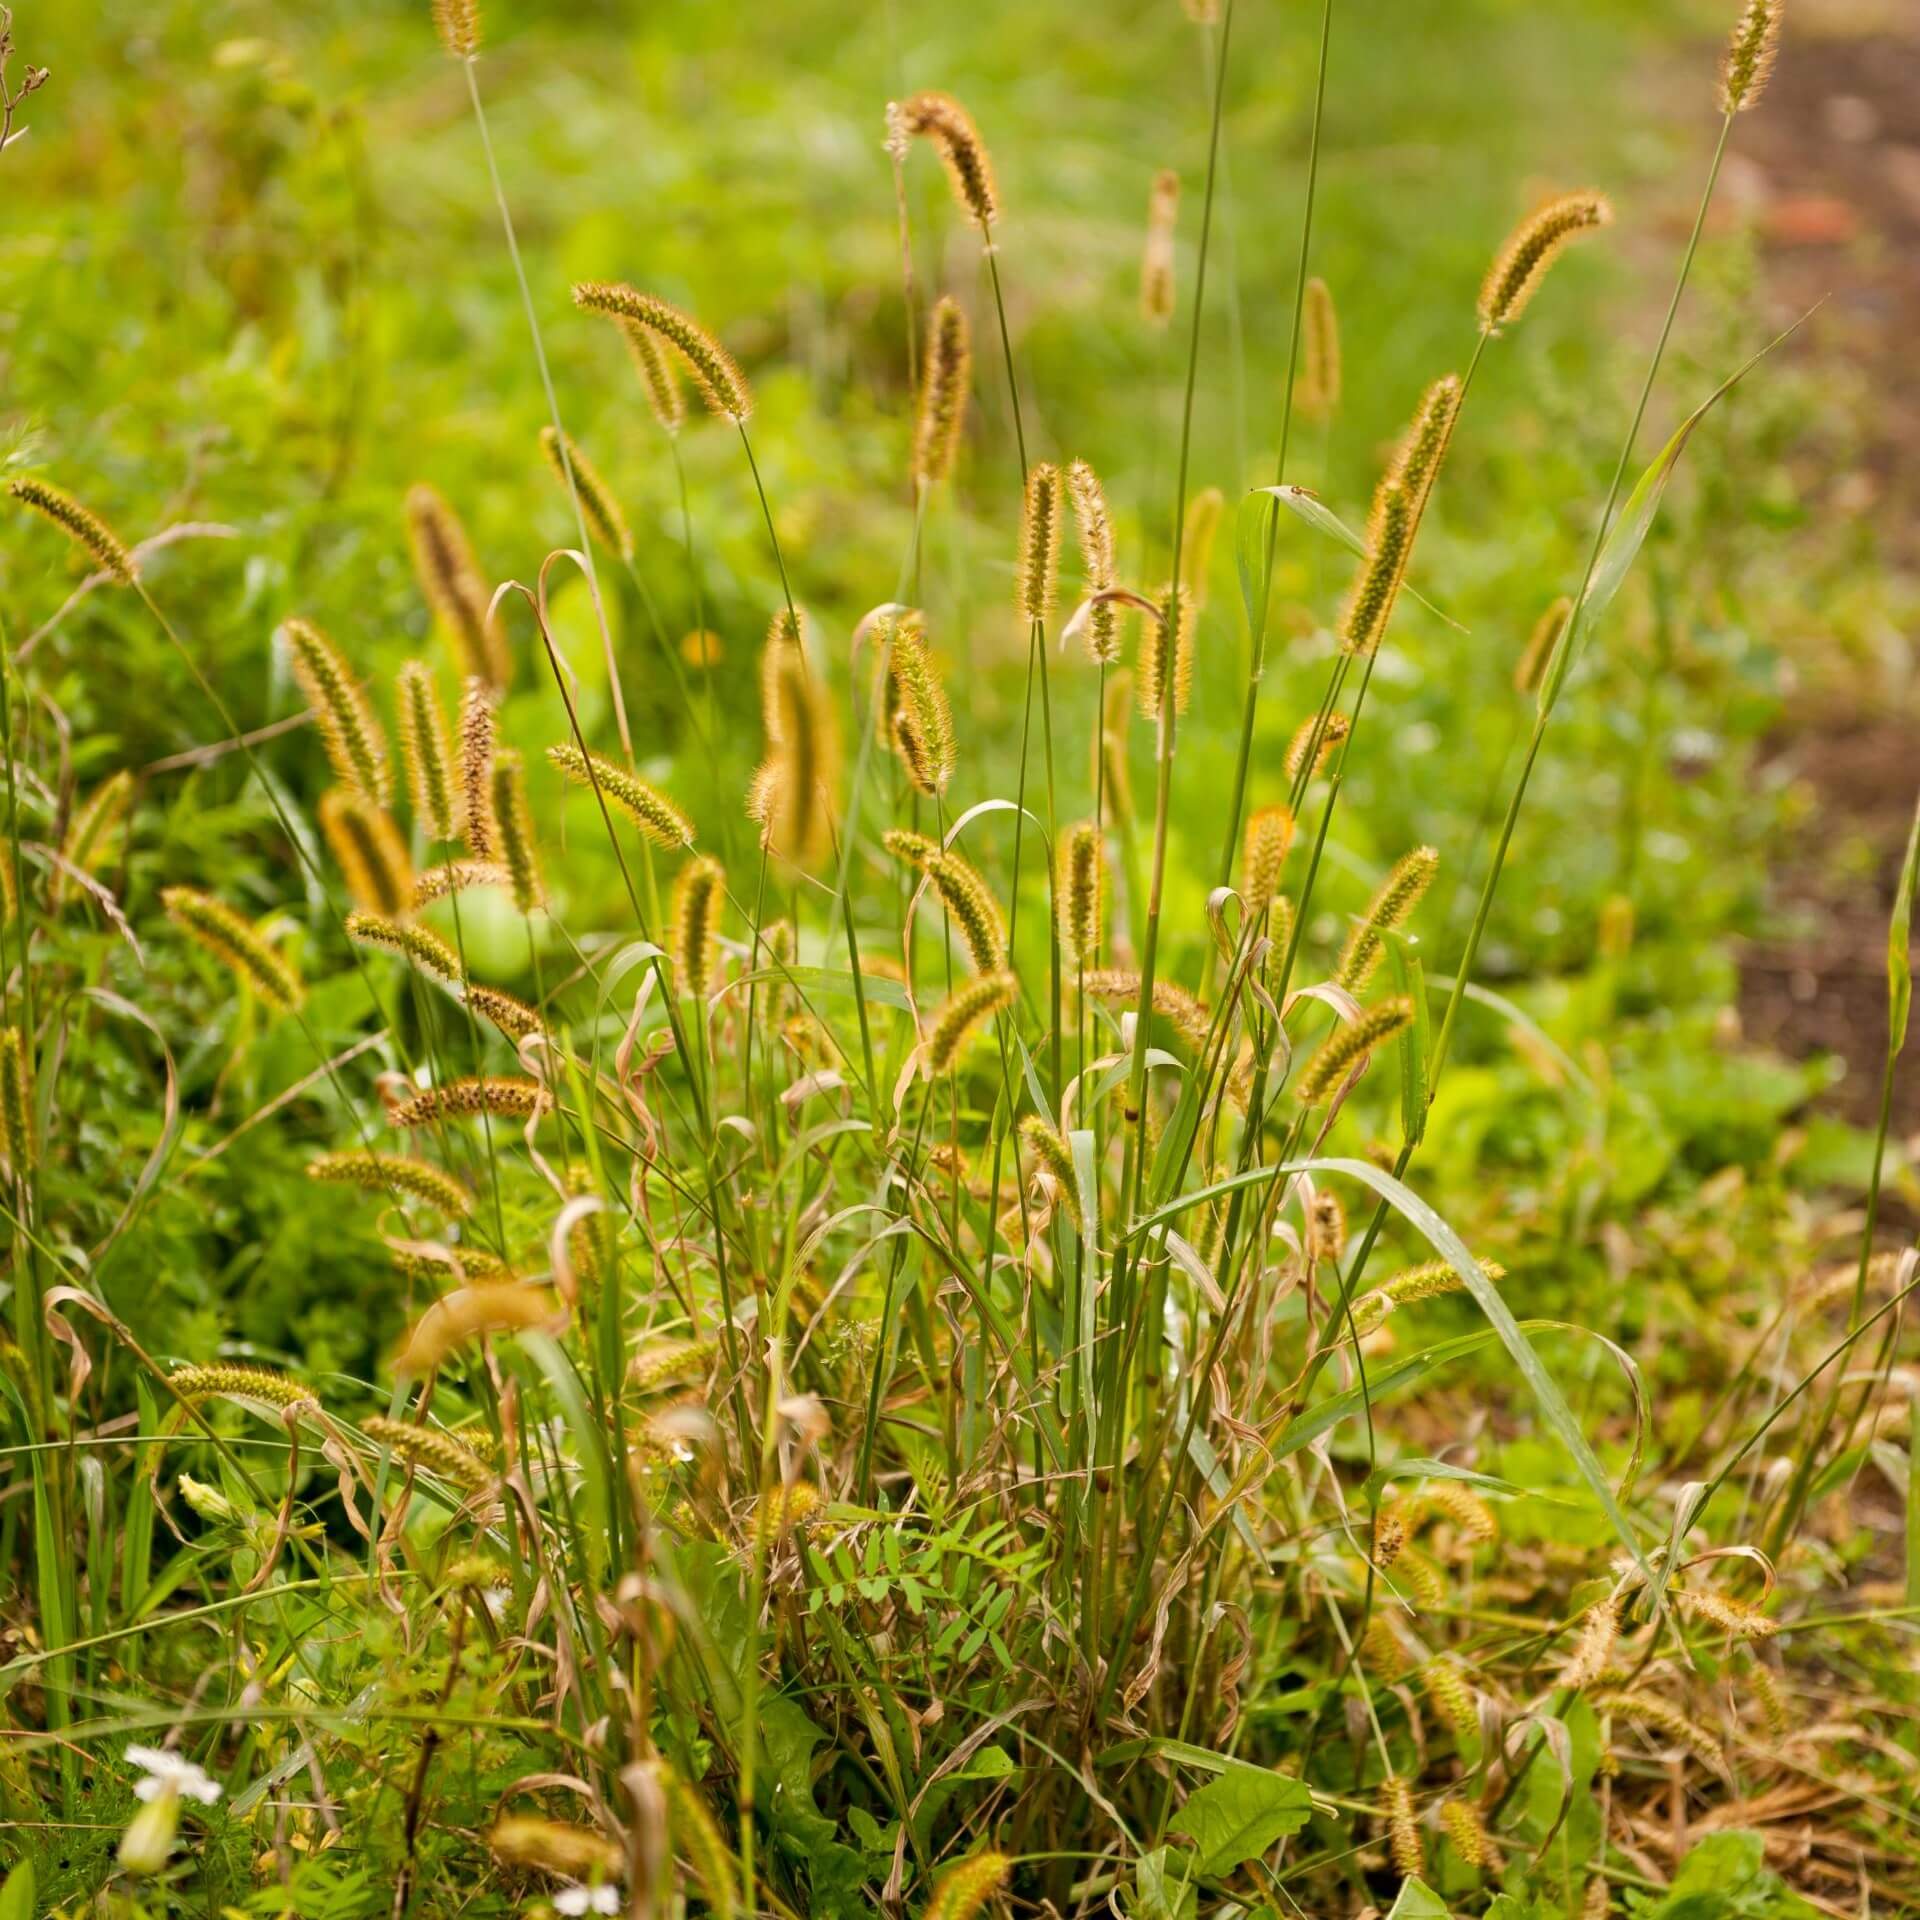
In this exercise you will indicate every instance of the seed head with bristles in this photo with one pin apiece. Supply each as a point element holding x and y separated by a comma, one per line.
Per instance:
<point>352,736</point>
<point>1039,570</point>
<point>506,1011</point>
<point>1332,734</point>
<point>388,1173</point>
<point>424,751</point>
<point>426,1260</point>
<point>80,524</point>
<point>458,24</point>
<point>1318,393</point>
<point>1166,638</point>
<point>1531,668</point>
<point>1055,1159</point>
<point>1172,1002</point>
<point>504,1097</point>
<point>918,716</point>
<point>232,941</point>
<point>698,895</point>
<point>17,1135</point>
<point>1269,837</point>
<point>1390,908</point>
<point>792,794</point>
<point>913,849</point>
<point>1079,892</point>
<point>477,708</point>
<point>715,373</point>
<point>972,908</point>
<point>1532,248</point>
<point>944,376</point>
<point>369,850</point>
<point>456,876</point>
<point>1095,527</point>
<point>256,1387</point>
<point>425,949</point>
<point>1157,257</point>
<point>93,830</point>
<point>1593,1650</point>
<point>940,118</point>
<point>657,377</point>
<point>1467,1831</point>
<point>513,826</point>
<point>598,505</point>
<point>452,584</point>
<point>969,1005</point>
<point>649,809</point>
<point>1751,52</point>
<point>432,1448</point>
<point>1351,1045</point>
<point>962,1890</point>
<point>1403,1829</point>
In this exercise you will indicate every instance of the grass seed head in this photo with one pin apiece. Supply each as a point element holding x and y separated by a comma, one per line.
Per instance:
<point>91,833</point>
<point>80,524</point>
<point>1333,734</point>
<point>945,377</point>
<point>1468,1832</point>
<point>233,942</point>
<point>453,586</point>
<point>792,794</point>
<point>971,906</point>
<point>354,742</point>
<point>436,1450</point>
<point>1349,1047</point>
<point>513,825</point>
<point>1080,892</point>
<point>715,373</point>
<point>425,949</point>
<point>1055,1159</point>
<point>425,753</point>
<point>456,876</point>
<point>503,1096</point>
<point>256,1387</point>
<point>1403,1828</point>
<point>1532,248</point>
<point>941,119</point>
<point>473,1312</point>
<point>971,1003</point>
<point>1169,638</point>
<point>1531,668</point>
<point>698,895</point>
<point>1391,907</point>
<point>17,1136</point>
<point>1263,853</point>
<point>506,1011</point>
<point>647,807</point>
<point>918,716</point>
<point>962,1890</point>
<point>577,1853</point>
<point>385,1173</point>
<point>599,506</point>
<point>657,377</point>
<point>1094,526</point>
<point>1751,52</point>
<point>1039,571</point>
<point>478,702</point>
<point>370,851</point>
<point>1318,393</point>
<point>458,24</point>
<point>1157,257</point>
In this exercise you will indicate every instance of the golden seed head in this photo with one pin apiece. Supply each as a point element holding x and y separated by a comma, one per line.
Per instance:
<point>647,807</point>
<point>504,1097</point>
<point>1349,1047</point>
<point>389,1173</point>
<point>1169,637</point>
<point>453,586</point>
<point>477,707</point>
<point>256,1387</point>
<point>971,1003</point>
<point>369,850</point>
<point>577,1853</point>
<point>940,118</point>
<point>1055,1158</point>
<point>914,710</point>
<point>1531,668</point>
<point>1157,257</point>
<point>698,896</point>
<point>1039,571</point>
<point>1268,840</point>
<point>657,377</point>
<point>1751,52</point>
<point>17,1134</point>
<point>236,944</point>
<point>426,950</point>
<point>1094,526</point>
<point>1593,1650</point>
<point>79,523</point>
<point>1326,1238</point>
<point>1403,1827</point>
<point>456,876</point>
<point>458,24</point>
<point>1187,1016</point>
<point>438,1264</point>
<point>354,742</point>
<point>972,908</point>
<point>1332,735</point>
<point>506,1011</point>
<point>513,824</point>
<point>1464,1827</point>
<point>944,385</point>
<point>1532,248</point>
<point>1079,891</point>
<point>915,849</point>
<point>1318,393</point>
<point>962,1890</point>
<point>423,748</point>
<point>1390,907</point>
<point>792,793</point>
<point>92,831</point>
<point>433,1448</point>
<point>598,505</point>
<point>715,373</point>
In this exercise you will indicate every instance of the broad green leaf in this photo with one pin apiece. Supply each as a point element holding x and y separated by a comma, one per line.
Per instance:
<point>1165,1889</point>
<point>1418,1901</point>
<point>1415,1045</point>
<point>1238,1816</point>
<point>16,1897</point>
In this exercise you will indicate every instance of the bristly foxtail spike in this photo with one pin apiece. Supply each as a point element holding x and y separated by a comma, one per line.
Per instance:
<point>1751,52</point>
<point>476,767</point>
<point>458,24</point>
<point>599,506</point>
<point>423,749</point>
<point>698,894</point>
<point>946,371</point>
<point>351,735</point>
<point>80,524</point>
<point>1039,570</point>
<point>1532,248</point>
<point>714,370</point>
<point>1318,393</point>
<point>1094,525</point>
<point>513,823</point>
<point>1080,893</point>
<point>369,850</point>
<point>1157,257</point>
<point>941,119</point>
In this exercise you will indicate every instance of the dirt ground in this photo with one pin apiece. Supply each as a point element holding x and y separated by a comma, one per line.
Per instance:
<point>1829,171</point>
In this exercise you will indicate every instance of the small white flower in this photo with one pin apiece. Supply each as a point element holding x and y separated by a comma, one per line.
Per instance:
<point>575,1901</point>
<point>170,1773</point>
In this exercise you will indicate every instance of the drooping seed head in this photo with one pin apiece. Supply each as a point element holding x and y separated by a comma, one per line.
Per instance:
<point>914,849</point>
<point>425,949</point>
<point>236,945</point>
<point>1039,571</point>
<point>647,807</point>
<point>1318,393</point>
<point>430,1261</point>
<point>946,370</point>
<point>972,908</point>
<point>92,832</point>
<point>1055,1160</point>
<point>971,1003</point>
<point>1185,1014</point>
<point>513,824</point>
<point>1467,1831</point>
<point>914,708</point>
<point>258,1388</point>
<point>80,524</point>
<point>1389,908</point>
<point>1592,1652</point>
<point>389,1173</point>
<point>453,586</point>
<point>1349,1047</point>
<point>1166,649</point>
<point>1326,1237</point>
<point>715,373</point>
<point>351,735</point>
<point>941,119</point>
<point>1423,447</point>
<point>1264,849</point>
<point>599,506</point>
<point>698,895</point>
<point>1530,669</point>
<point>1403,1828</point>
<point>505,1097</point>
<point>477,709</point>
<point>423,749</point>
<point>458,24</point>
<point>1094,526</point>
<point>17,1133</point>
<point>369,850</point>
<point>1751,52</point>
<point>1332,733</point>
<point>1532,248</point>
<point>961,1891</point>
<point>1157,257</point>
<point>1079,893</point>
<point>433,1448</point>
<point>793,793</point>
<point>577,1853</point>
<point>1453,1699</point>
<point>657,377</point>
<point>506,1011</point>
<point>456,876</point>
